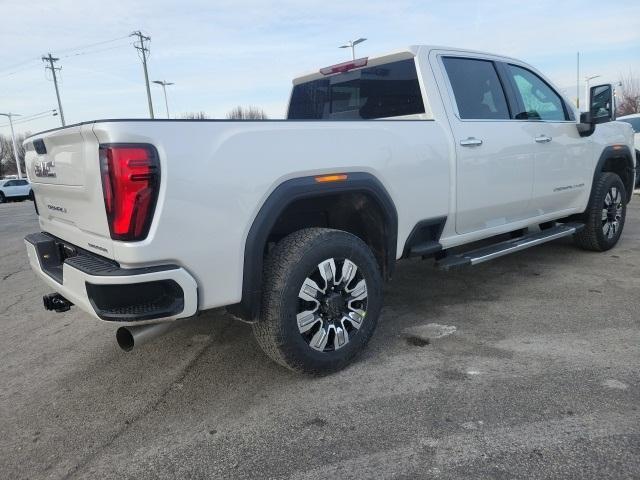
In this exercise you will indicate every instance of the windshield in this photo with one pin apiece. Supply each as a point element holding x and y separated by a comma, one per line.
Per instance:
<point>388,90</point>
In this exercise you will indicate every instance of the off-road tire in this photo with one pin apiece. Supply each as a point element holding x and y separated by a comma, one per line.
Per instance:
<point>592,237</point>
<point>285,270</point>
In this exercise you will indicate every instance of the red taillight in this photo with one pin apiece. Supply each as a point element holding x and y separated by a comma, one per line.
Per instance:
<point>130,183</point>
<point>345,67</point>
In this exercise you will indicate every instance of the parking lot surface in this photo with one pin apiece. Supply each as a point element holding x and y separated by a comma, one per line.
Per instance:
<point>524,367</point>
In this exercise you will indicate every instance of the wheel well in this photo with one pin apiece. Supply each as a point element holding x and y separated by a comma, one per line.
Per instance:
<point>359,205</point>
<point>620,164</point>
<point>355,212</point>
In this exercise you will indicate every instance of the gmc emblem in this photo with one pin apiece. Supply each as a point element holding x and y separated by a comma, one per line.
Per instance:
<point>45,168</point>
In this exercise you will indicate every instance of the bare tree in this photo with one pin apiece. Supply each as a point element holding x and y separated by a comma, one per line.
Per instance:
<point>247,113</point>
<point>628,100</point>
<point>194,116</point>
<point>7,158</point>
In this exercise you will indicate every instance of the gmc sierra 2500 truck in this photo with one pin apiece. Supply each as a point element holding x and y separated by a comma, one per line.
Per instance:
<point>294,224</point>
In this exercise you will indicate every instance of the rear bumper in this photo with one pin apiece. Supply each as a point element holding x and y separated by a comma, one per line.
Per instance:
<point>108,292</point>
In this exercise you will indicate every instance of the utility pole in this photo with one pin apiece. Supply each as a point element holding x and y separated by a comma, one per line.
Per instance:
<point>51,60</point>
<point>13,139</point>
<point>352,45</point>
<point>164,84</point>
<point>578,82</point>
<point>144,50</point>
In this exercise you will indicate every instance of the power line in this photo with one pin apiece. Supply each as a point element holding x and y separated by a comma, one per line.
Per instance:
<point>52,60</point>
<point>17,71</point>
<point>90,52</point>
<point>144,50</point>
<point>19,64</point>
<point>89,45</point>
<point>66,50</point>
<point>32,118</point>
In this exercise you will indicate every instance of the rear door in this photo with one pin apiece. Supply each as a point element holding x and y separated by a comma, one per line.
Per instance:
<point>494,158</point>
<point>562,162</point>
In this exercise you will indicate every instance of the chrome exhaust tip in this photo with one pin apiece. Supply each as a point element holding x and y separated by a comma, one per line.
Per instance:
<point>130,337</point>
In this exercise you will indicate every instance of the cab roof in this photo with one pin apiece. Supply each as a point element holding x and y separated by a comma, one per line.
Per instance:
<point>396,55</point>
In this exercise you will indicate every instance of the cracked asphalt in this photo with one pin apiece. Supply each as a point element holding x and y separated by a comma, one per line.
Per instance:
<point>524,367</point>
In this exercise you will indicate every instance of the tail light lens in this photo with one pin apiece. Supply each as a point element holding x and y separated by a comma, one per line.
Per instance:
<point>130,183</point>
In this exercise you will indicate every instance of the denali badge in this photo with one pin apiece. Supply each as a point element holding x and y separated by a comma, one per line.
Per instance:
<point>57,208</point>
<point>45,168</point>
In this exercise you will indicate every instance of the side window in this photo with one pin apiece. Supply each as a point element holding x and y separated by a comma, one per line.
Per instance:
<point>20,183</point>
<point>10,183</point>
<point>539,100</point>
<point>477,89</point>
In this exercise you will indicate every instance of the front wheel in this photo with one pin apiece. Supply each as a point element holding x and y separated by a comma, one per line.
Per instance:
<point>322,295</point>
<point>605,215</point>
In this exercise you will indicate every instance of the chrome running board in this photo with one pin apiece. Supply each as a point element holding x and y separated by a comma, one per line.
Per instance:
<point>496,250</point>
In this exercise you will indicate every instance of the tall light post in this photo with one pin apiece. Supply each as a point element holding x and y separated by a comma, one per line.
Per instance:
<point>13,139</point>
<point>164,84</point>
<point>587,79</point>
<point>352,45</point>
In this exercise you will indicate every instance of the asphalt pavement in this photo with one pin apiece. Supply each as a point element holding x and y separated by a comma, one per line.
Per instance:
<point>524,367</point>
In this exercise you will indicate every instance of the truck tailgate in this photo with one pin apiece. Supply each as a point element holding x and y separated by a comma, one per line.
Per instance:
<point>64,169</point>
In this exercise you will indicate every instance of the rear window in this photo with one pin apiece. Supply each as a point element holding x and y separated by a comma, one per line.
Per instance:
<point>389,90</point>
<point>477,89</point>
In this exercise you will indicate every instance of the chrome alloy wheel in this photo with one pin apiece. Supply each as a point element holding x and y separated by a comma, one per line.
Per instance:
<point>331,307</point>
<point>612,212</point>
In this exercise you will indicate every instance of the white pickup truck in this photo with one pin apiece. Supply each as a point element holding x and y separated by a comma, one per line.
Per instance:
<point>294,224</point>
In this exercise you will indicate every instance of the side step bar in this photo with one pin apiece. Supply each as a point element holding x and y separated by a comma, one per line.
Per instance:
<point>496,250</point>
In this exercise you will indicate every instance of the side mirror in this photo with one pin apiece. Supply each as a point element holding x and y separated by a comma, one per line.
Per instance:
<point>601,104</point>
<point>601,109</point>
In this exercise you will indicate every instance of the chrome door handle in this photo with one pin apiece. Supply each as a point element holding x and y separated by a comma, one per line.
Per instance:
<point>543,139</point>
<point>471,142</point>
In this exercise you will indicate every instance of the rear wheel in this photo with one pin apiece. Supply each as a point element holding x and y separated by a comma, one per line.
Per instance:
<point>605,215</point>
<point>31,195</point>
<point>2,198</point>
<point>322,295</point>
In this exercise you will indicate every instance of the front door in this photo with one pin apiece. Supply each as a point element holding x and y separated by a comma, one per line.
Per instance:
<point>562,162</point>
<point>494,155</point>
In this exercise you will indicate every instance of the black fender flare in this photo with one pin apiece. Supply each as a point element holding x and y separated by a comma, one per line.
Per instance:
<point>616,151</point>
<point>284,195</point>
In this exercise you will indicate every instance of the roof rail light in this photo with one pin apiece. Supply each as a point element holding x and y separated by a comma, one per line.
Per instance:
<point>345,66</point>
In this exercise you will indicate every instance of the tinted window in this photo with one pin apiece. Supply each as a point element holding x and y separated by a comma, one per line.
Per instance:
<point>539,100</point>
<point>388,90</point>
<point>634,122</point>
<point>477,89</point>
<point>20,182</point>
<point>10,183</point>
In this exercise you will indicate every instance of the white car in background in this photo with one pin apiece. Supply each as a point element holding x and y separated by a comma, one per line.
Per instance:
<point>15,189</point>
<point>634,121</point>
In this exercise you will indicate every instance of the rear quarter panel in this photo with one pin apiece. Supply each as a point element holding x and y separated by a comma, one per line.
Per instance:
<point>217,174</point>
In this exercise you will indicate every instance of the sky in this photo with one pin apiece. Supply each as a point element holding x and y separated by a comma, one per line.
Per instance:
<point>223,53</point>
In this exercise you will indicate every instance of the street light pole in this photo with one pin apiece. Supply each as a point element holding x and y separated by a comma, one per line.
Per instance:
<point>164,84</point>
<point>352,45</point>
<point>13,140</point>
<point>587,79</point>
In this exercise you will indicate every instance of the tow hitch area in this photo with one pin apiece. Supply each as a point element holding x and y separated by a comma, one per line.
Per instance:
<point>56,302</point>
